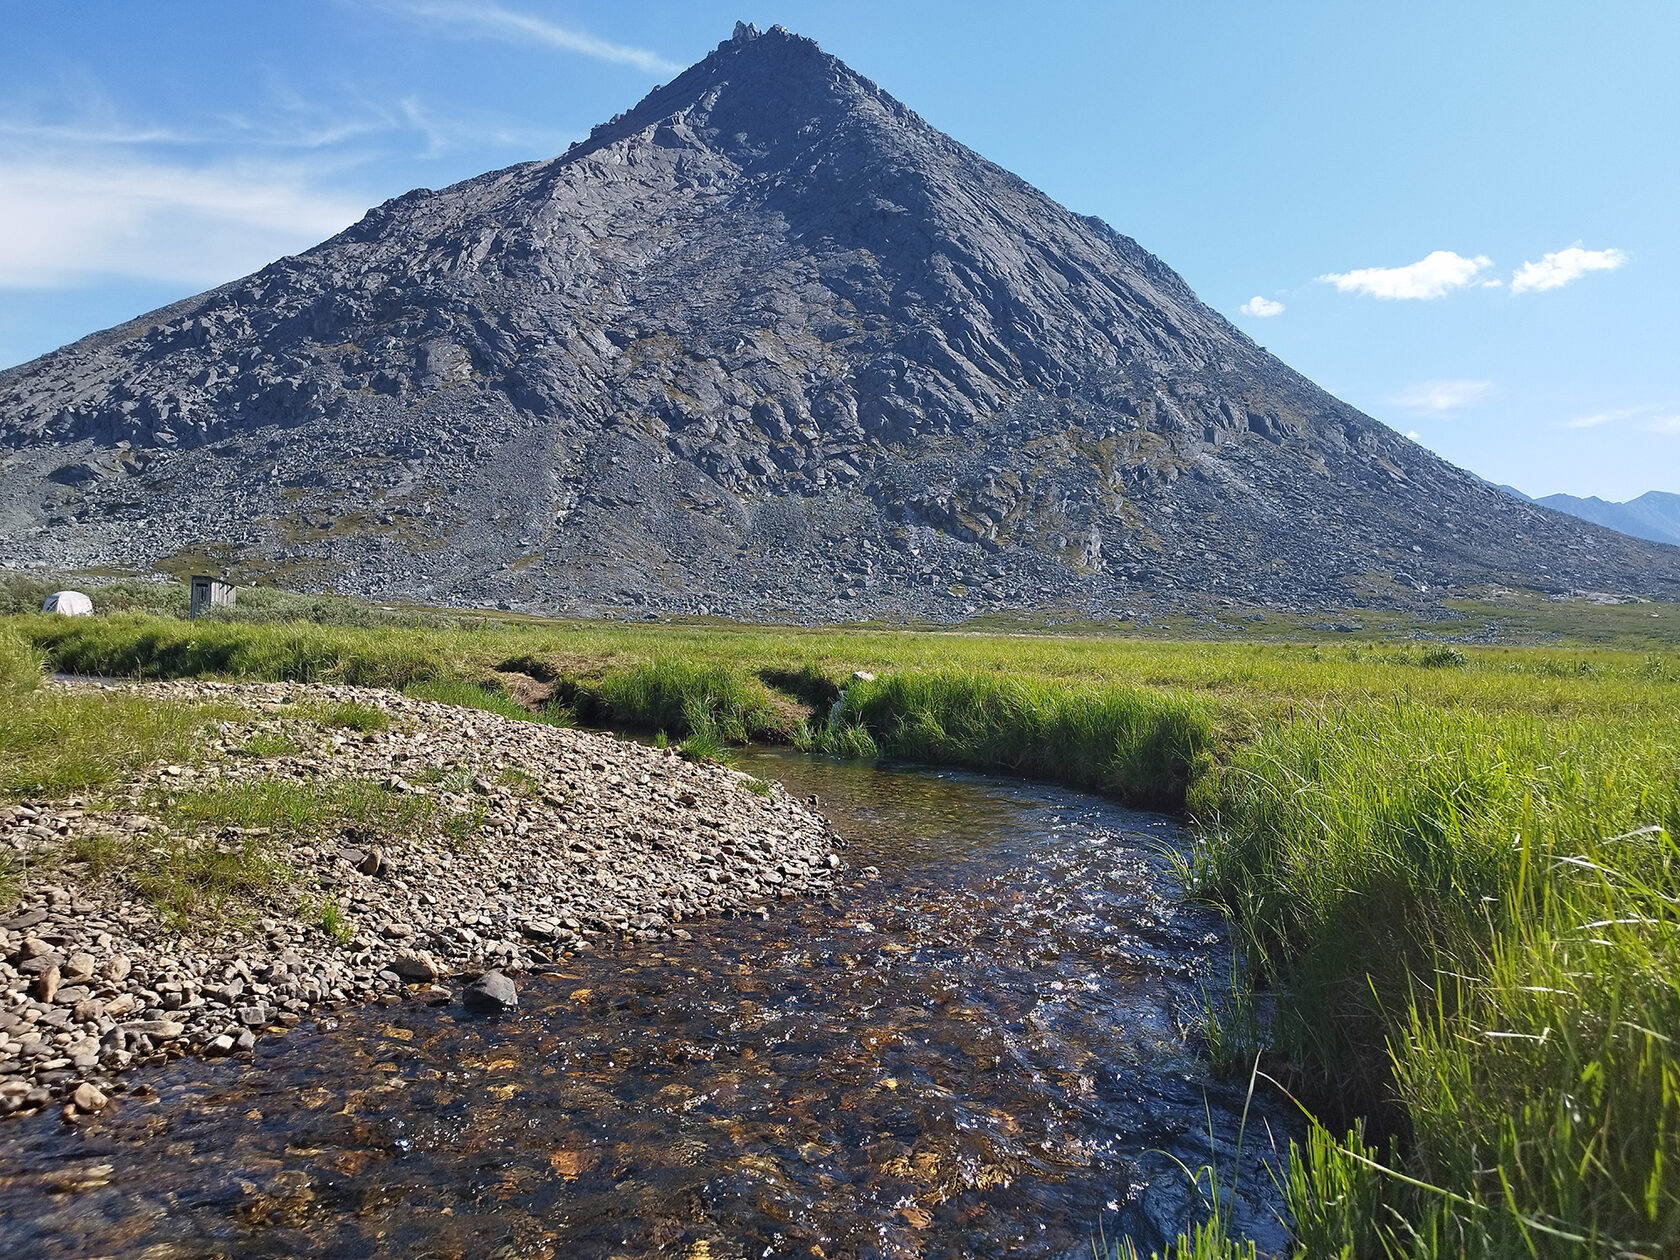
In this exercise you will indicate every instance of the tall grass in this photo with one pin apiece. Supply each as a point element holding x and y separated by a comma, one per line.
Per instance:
<point>133,646</point>
<point>1139,745</point>
<point>21,665</point>
<point>1471,925</point>
<point>715,702</point>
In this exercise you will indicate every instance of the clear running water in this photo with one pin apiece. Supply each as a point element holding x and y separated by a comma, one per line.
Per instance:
<point>978,1050</point>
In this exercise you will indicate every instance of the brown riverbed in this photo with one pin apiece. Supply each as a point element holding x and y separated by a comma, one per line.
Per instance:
<point>978,1051</point>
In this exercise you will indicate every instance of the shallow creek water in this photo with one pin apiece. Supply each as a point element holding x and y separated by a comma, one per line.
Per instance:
<point>978,1051</point>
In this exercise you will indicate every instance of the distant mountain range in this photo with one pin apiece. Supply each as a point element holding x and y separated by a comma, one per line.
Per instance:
<point>1654,515</point>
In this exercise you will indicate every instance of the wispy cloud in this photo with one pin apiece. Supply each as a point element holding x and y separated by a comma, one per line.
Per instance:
<point>1593,419</point>
<point>1433,276</point>
<point>444,133</point>
<point>69,222</point>
<point>1662,424</point>
<point>86,133</point>
<point>1261,308</point>
<point>1435,397</point>
<point>1553,271</point>
<point>87,194</point>
<point>492,21</point>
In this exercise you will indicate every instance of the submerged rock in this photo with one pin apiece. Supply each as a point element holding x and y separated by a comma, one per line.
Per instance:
<point>491,994</point>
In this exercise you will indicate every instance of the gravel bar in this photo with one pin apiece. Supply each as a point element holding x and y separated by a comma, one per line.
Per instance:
<point>559,838</point>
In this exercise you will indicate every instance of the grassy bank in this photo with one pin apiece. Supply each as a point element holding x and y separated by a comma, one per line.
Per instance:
<point>1454,870</point>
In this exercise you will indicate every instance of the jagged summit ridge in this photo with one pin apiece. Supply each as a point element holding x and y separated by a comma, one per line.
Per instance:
<point>766,342</point>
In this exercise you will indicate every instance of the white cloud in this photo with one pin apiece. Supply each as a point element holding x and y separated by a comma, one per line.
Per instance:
<point>84,197</point>
<point>1261,308</point>
<point>1662,424</point>
<point>68,222</point>
<point>1413,435</point>
<point>1553,271</point>
<point>1435,397</point>
<point>1433,276</point>
<point>87,133</point>
<point>1597,418</point>
<point>494,22</point>
<point>445,133</point>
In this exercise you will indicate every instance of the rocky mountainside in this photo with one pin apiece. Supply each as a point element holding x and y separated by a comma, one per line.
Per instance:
<point>1654,514</point>
<point>768,344</point>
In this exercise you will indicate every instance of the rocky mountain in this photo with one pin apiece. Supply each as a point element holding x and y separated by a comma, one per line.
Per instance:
<point>1654,514</point>
<point>767,344</point>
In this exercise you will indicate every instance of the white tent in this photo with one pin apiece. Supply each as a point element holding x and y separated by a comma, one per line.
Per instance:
<point>70,603</point>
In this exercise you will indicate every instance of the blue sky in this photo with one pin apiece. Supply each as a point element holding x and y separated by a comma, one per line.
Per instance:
<point>1468,213</point>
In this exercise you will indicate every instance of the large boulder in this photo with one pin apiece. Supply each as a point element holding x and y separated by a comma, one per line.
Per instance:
<point>491,994</point>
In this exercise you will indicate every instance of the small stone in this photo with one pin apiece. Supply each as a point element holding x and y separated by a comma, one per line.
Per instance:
<point>415,967</point>
<point>86,1098</point>
<point>79,968</point>
<point>157,1029</point>
<point>117,968</point>
<point>219,1046</point>
<point>46,985</point>
<point>491,993</point>
<point>434,995</point>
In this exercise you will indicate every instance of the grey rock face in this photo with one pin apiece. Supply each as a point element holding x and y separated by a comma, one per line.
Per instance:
<point>767,344</point>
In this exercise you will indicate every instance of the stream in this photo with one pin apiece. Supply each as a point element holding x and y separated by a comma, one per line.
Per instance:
<point>977,1049</point>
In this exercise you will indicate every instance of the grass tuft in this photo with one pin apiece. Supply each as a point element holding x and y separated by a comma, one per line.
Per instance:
<point>469,695</point>
<point>202,880</point>
<point>265,744</point>
<point>711,703</point>
<point>348,715</point>
<point>22,665</point>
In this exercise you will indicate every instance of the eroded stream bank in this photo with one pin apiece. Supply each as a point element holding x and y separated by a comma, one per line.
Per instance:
<point>980,1053</point>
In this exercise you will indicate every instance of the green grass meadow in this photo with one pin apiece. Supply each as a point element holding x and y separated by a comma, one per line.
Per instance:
<point>1453,872</point>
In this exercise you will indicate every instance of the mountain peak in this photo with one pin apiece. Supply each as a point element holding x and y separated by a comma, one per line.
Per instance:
<point>776,70</point>
<point>766,342</point>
